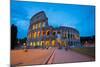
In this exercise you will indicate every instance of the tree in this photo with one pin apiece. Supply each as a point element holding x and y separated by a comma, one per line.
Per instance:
<point>13,36</point>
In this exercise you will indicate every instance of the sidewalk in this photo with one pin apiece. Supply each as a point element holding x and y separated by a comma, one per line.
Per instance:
<point>32,57</point>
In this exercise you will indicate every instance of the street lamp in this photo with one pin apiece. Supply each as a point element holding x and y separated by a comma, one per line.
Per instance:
<point>25,47</point>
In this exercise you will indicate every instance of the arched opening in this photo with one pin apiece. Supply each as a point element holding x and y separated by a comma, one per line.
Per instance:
<point>43,33</point>
<point>54,33</point>
<point>47,43</point>
<point>48,33</point>
<point>53,43</point>
<point>38,33</point>
<point>58,32</point>
<point>34,34</point>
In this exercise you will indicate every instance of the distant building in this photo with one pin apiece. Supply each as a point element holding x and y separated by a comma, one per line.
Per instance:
<point>40,34</point>
<point>88,41</point>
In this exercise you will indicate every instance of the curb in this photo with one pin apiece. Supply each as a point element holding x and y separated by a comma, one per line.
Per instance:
<point>49,58</point>
<point>50,61</point>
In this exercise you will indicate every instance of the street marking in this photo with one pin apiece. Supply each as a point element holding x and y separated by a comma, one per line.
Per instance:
<point>49,58</point>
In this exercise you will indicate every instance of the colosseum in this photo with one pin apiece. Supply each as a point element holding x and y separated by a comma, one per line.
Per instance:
<point>41,34</point>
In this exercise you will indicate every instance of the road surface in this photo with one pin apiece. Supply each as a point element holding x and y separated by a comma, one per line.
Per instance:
<point>46,56</point>
<point>62,56</point>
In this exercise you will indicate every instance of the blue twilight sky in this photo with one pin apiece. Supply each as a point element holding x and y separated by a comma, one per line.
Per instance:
<point>80,17</point>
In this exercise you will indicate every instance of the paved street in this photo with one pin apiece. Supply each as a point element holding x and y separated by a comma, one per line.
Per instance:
<point>33,56</point>
<point>46,56</point>
<point>62,56</point>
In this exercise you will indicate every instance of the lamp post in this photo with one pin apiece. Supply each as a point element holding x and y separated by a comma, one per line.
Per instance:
<point>25,47</point>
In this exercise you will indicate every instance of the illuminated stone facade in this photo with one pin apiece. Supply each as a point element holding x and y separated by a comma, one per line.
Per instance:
<point>40,34</point>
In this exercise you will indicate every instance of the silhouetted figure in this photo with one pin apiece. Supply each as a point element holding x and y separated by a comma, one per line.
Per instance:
<point>13,36</point>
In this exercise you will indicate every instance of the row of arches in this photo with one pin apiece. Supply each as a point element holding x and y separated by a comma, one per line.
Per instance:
<point>48,43</point>
<point>33,35</point>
